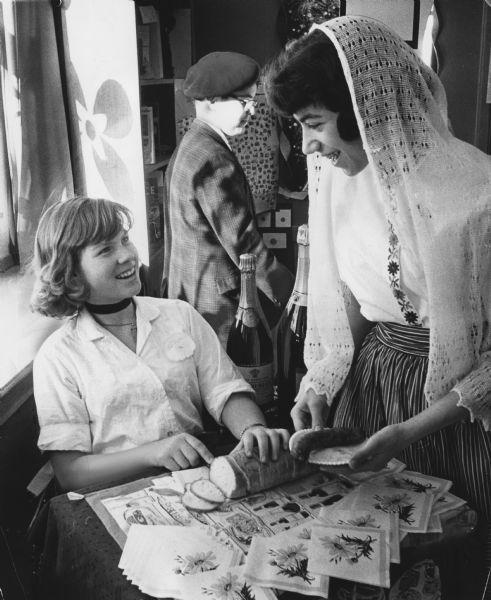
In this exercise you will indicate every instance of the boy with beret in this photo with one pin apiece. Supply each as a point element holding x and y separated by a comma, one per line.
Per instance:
<point>209,211</point>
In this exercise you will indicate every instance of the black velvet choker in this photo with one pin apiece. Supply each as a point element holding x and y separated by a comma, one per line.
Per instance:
<point>107,309</point>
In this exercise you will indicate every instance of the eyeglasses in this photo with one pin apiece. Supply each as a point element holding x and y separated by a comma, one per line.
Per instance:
<point>247,103</point>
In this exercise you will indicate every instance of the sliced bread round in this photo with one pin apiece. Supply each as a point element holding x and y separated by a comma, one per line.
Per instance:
<point>207,490</point>
<point>192,502</point>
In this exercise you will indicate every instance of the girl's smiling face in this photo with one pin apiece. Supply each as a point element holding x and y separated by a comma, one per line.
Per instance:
<point>320,134</point>
<point>110,269</point>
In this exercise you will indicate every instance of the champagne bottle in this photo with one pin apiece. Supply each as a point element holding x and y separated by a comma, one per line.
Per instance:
<point>249,342</point>
<point>291,334</point>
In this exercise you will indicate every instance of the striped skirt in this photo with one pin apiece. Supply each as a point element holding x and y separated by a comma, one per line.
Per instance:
<point>385,386</point>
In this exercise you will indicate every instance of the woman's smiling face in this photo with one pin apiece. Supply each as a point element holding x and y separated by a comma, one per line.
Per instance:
<point>110,269</point>
<point>320,134</point>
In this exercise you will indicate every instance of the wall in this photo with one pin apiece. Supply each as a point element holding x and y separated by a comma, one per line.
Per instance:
<point>252,27</point>
<point>463,46</point>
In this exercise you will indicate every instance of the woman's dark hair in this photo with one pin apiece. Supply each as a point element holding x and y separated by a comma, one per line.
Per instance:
<point>308,72</point>
<point>65,229</point>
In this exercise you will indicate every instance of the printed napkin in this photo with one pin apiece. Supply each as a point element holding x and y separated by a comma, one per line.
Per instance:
<point>281,562</point>
<point>416,482</point>
<point>371,518</point>
<point>447,502</point>
<point>413,508</point>
<point>224,583</point>
<point>157,558</point>
<point>355,553</point>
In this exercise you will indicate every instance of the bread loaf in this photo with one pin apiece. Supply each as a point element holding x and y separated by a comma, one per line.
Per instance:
<point>238,475</point>
<point>305,440</point>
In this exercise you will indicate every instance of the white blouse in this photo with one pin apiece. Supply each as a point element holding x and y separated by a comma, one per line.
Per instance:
<point>93,394</point>
<point>362,235</point>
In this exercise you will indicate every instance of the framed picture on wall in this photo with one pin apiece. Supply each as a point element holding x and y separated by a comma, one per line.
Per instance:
<point>402,16</point>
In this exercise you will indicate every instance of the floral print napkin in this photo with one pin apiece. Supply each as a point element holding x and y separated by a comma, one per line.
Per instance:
<point>157,558</point>
<point>416,482</point>
<point>413,508</point>
<point>224,583</point>
<point>374,519</point>
<point>281,562</point>
<point>354,553</point>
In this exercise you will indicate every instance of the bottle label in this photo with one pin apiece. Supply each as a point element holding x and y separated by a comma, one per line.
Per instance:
<point>261,379</point>
<point>250,318</point>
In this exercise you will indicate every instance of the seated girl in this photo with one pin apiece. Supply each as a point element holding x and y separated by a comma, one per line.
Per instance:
<point>122,385</point>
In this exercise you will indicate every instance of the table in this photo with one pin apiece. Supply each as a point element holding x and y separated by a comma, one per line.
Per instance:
<point>80,558</point>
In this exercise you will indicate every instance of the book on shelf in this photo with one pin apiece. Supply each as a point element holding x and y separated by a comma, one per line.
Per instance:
<point>143,46</point>
<point>149,43</point>
<point>154,196</point>
<point>148,134</point>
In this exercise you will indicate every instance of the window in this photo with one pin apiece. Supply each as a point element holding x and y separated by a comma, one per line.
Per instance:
<point>35,167</point>
<point>88,94</point>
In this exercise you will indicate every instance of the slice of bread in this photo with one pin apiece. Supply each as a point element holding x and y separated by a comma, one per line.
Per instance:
<point>336,455</point>
<point>207,490</point>
<point>192,502</point>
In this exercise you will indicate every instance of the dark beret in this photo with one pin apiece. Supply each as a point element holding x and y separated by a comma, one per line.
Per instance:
<point>220,74</point>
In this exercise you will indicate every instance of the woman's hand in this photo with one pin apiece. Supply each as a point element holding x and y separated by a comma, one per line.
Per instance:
<point>268,441</point>
<point>380,448</point>
<point>181,451</point>
<point>310,410</point>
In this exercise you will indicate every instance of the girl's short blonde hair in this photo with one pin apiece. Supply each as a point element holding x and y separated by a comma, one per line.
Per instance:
<point>64,230</point>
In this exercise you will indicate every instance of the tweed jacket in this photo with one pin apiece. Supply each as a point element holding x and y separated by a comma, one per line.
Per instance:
<point>209,222</point>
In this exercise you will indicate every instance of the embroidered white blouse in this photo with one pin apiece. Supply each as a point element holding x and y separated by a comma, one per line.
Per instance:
<point>362,244</point>
<point>93,394</point>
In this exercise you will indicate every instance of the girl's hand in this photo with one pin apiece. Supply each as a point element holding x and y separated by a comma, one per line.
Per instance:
<point>310,410</point>
<point>380,448</point>
<point>181,451</point>
<point>268,442</point>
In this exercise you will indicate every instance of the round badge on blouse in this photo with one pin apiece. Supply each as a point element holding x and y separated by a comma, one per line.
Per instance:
<point>179,346</point>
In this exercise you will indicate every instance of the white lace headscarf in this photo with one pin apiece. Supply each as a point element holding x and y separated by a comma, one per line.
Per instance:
<point>437,193</point>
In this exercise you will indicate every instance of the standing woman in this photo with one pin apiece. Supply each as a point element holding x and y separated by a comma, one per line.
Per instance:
<point>123,384</point>
<point>399,316</point>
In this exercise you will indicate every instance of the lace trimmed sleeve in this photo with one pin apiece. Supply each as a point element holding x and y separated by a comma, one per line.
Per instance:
<point>328,357</point>
<point>474,392</point>
<point>327,375</point>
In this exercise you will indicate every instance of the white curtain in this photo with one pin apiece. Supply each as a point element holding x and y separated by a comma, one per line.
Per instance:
<point>35,160</point>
